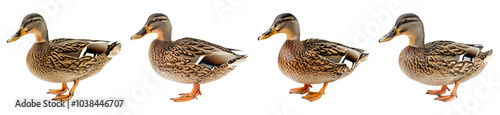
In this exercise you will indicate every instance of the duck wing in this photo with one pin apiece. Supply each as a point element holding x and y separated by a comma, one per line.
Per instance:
<point>453,58</point>
<point>76,55</point>
<point>205,53</point>
<point>335,52</point>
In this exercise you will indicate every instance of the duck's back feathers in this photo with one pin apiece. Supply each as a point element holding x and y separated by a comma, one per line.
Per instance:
<point>453,50</point>
<point>335,52</point>
<point>314,61</point>
<point>456,51</point>
<point>82,47</point>
<point>190,60</point>
<point>79,55</point>
<point>205,44</point>
<point>205,53</point>
<point>314,42</point>
<point>456,58</point>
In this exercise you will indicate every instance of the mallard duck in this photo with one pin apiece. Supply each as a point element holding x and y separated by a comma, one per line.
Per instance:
<point>438,62</point>
<point>186,60</point>
<point>312,61</point>
<point>63,60</point>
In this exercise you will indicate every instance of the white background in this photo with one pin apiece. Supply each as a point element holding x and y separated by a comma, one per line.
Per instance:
<point>256,87</point>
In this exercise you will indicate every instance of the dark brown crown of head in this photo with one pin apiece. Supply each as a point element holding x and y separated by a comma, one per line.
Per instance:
<point>30,18</point>
<point>284,17</point>
<point>156,17</point>
<point>407,18</point>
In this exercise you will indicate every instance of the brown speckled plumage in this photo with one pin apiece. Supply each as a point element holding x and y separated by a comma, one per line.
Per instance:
<point>433,64</point>
<point>311,61</point>
<point>438,62</point>
<point>58,60</point>
<point>63,60</point>
<point>176,60</point>
<point>186,60</point>
<point>305,61</point>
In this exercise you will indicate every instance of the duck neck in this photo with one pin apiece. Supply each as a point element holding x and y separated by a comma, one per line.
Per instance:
<point>292,43</point>
<point>164,33</point>
<point>292,31</point>
<point>295,37</point>
<point>416,36</point>
<point>41,35</point>
<point>164,36</point>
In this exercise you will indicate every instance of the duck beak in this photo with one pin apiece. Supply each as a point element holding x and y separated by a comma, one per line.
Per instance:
<point>145,30</point>
<point>389,36</point>
<point>268,33</point>
<point>20,33</point>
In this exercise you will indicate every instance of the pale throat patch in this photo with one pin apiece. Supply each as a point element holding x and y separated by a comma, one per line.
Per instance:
<point>411,38</point>
<point>289,34</point>
<point>38,35</point>
<point>159,33</point>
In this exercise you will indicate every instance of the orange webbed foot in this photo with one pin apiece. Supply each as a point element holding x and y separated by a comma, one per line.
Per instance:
<point>183,98</point>
<point>446,98</point>
<point>63,97</point>
<point>453,95</point>
<point>313,96</point>
<point>59,91</point>
<point>60,97</point>
<point>188,96</point>
<point>438,92</point>
<point>301,90</point>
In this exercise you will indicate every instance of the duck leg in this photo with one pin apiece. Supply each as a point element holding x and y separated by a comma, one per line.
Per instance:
<point>188,96</point>
<point>450,97</point>
<point>69,96</point>
<point>301,90</point>
<point>313,96</point>
<point>59,91</point>
<point>438,92</point>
